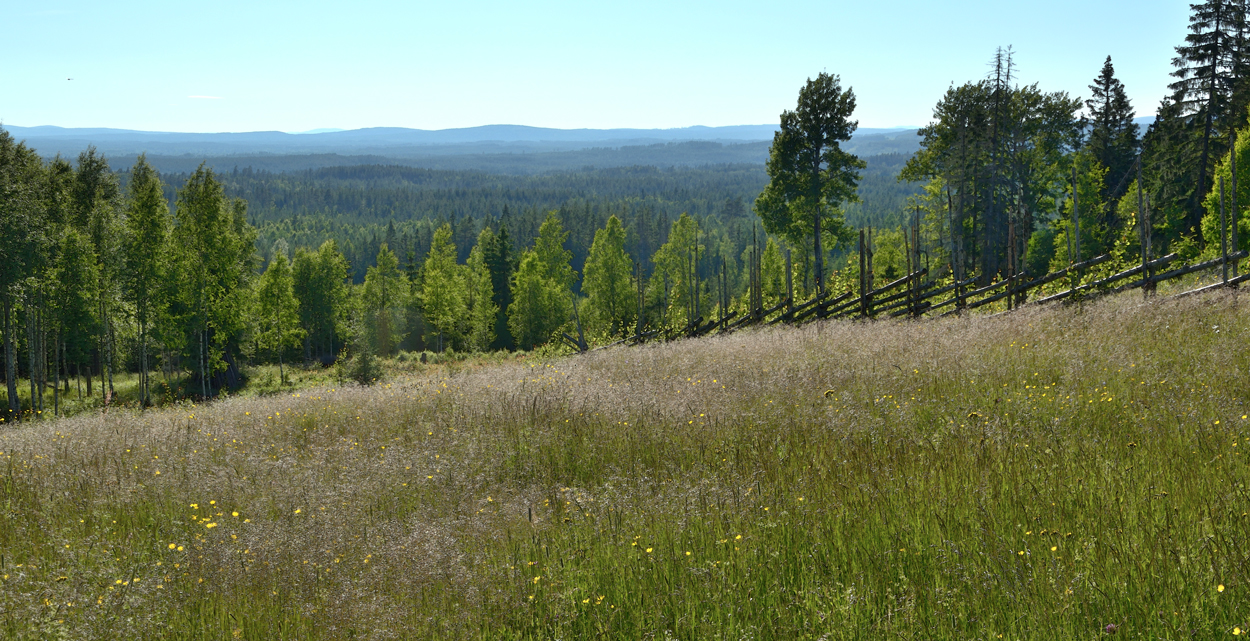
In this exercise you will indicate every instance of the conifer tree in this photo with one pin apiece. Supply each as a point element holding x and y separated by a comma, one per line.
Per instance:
<point>501,262</point>
<point>810,175</point>
<point>1210,86</point>
<point>1113,136</point>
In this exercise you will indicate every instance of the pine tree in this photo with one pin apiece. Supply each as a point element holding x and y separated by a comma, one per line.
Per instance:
<point>810,175</point>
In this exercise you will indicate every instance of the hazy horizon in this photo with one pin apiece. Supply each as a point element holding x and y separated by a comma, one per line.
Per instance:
<point>283,66</point>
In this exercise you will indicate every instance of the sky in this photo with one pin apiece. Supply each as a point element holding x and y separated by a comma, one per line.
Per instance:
<point>297,66</point>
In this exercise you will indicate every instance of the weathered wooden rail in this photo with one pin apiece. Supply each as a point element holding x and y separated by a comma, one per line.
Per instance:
<point>913,296</point>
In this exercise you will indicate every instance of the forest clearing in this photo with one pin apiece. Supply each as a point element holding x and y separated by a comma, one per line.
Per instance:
<point>1060,472</point>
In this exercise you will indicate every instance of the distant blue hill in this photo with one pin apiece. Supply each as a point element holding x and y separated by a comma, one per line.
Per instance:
<point>423,147</point>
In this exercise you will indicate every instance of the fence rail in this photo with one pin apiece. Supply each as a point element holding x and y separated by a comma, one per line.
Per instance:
<point>919,297</point>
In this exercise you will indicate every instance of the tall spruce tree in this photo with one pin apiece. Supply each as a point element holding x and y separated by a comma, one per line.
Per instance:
<point>1210,87</point>
<point>1113,136</point>
<point>501,262</point>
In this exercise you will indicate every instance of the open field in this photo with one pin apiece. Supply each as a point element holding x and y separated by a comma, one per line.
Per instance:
<point>1039,475</point>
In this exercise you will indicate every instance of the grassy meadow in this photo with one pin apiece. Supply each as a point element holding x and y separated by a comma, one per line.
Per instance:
<point>1039,475</point>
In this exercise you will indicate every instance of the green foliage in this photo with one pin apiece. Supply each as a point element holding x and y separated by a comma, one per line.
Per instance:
<point>497,253</point>
<point>360,365</point>
<point>212,269</point>
<point>611,298</point>
<point>772,274</point>
<point>145,249</point>
<point>1113,136</point>
<point>540,306</point>
<point>74,276</point>
<point>1001,152</point>
<point>480,299</point>
<point>443,288</point>
<point>277,309</point>
<point>542,301</point>
<point>1040,252</point>
<point>384,295</point>
<point>673,284</point>
<point>320,287</point>
<point>810,175</point>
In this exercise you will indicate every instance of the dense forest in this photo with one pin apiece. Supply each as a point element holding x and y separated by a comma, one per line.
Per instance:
<point>363,206</point>
<point>192,275</point>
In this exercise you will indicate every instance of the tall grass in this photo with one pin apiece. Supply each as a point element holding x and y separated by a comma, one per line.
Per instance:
<point>1039,475</point>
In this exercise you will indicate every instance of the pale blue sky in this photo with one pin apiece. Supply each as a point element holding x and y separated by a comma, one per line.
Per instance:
<point>294,66</point>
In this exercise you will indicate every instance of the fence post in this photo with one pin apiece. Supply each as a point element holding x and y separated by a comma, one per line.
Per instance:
<point>789,284</point>
<point>868,252</point>
<point>1141,235</point>
<point>1236,217</point>
<point>1076,223</point>
<point>1223,234</point>
<point>638,324</point>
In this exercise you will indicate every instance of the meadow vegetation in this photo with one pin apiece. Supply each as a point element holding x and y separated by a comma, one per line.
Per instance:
<point>1039,475</point>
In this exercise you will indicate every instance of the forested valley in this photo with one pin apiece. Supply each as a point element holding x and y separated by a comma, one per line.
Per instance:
<point>192,277</point>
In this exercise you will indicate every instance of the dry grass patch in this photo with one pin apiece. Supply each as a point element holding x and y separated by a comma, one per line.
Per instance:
<point>1036,475</point>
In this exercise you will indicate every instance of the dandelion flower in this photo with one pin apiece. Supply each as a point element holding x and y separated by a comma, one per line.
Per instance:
<point>172,546</point>
<point>1219,588</point>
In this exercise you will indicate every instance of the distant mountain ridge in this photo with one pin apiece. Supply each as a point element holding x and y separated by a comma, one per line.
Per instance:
<point>493,148</point>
